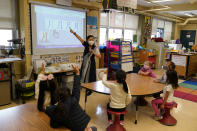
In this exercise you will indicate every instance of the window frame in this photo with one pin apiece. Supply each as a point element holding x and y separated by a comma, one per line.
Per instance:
<point>112,27</point>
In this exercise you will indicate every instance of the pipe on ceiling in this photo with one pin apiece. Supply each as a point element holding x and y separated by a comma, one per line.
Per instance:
<point>187,20</point>
<point>158,16</point>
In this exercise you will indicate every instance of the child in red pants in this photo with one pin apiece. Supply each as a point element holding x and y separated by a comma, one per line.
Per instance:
<point>168,91</point>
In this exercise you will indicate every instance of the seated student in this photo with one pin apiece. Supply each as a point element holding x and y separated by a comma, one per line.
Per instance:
<point>169,66</point>
<point>146,70</point>
<point>168,91</point>
<point>67,112</point>
<point>120,95</point>
<point>44,90</point>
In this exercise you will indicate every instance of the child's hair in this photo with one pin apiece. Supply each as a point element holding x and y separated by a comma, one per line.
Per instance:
<point>167,60</point>
<point>172,66</point>
<point>147,63</point>
<point>61,95</point>
<point>90,37</point>
<point>121,78</point>
<point>172,78</point>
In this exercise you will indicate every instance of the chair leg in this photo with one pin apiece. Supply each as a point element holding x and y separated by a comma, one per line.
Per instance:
<point>116,125</point>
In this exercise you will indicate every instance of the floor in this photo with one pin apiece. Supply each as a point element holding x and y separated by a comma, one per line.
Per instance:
<point>185,113</point>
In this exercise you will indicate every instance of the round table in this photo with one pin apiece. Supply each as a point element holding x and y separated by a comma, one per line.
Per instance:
<point>139,86</point>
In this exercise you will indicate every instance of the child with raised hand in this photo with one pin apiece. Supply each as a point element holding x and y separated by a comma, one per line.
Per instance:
<point>168,91</point>
<point>44,89</point>
<point>120,95</point>
<point>67,111</point>
<point>146,70</point>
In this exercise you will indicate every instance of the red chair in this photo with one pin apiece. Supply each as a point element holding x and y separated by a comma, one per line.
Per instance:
<point>167,118</point>
<point>116,124</point>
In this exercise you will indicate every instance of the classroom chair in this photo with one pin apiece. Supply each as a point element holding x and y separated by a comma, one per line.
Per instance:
<point>168,119</point>
<point>116,124</point>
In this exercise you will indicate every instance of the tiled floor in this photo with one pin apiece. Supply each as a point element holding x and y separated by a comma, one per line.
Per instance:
<point>185,113</point>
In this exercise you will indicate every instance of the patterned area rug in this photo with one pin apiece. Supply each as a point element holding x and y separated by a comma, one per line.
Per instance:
<point>187,90</point>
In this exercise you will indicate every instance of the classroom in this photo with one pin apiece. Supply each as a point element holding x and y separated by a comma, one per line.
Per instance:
<point>98,65</point>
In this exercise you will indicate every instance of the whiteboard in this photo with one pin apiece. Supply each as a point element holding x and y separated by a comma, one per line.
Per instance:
<point>51,29</point>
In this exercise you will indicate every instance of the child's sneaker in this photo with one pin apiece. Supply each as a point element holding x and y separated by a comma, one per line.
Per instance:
<point>157,118</point>
<point>162,112</point>
<point>110,122</point>
<point>122,123</point>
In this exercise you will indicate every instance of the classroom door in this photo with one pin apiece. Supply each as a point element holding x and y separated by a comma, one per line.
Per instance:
<point>188,38</point>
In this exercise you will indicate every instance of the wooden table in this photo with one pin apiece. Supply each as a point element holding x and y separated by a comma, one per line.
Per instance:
<point>139,86</point>
<point>25,118</point>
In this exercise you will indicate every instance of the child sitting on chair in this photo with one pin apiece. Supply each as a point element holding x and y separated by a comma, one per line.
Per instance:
<point>146,70</point>
<point>168,91</point>
<point>120,95</point>
<point>67,111</point>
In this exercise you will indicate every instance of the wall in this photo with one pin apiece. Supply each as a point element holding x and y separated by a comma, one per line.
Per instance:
<point>178,29</point>
<point>24,24</point>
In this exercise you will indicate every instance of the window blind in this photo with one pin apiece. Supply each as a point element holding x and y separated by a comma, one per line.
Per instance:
<point>6,14</point>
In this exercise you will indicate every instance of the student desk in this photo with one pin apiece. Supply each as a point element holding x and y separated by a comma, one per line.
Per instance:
<point>139,86</point>
<point>25,118</point>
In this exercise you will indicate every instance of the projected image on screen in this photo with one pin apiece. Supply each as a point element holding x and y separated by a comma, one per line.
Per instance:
<point>51,27</point>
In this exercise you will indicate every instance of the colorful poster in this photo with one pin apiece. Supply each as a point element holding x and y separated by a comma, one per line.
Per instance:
<point>92,26</point>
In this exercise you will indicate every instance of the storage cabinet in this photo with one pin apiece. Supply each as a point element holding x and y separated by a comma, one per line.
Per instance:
<point>186,65</point>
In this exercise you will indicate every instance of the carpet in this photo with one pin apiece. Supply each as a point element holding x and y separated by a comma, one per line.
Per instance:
<point>187,90</point>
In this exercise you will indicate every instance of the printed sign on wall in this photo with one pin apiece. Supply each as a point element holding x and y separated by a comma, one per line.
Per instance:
<point>92,26</point>
<point>179,60</point>
<point>127,3</point>
<point>54,59</point>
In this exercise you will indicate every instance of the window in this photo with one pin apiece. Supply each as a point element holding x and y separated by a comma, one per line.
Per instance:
<point>115,34</point>
<point>161,28</point>
<point>5,35</point>
<point>6,14</point>
<point>160,32</point>
<point>117,25</point>
<point>103,36</point>
<point>128,35</point>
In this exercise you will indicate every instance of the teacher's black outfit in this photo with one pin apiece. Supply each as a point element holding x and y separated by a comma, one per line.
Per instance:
<point>88,67</point>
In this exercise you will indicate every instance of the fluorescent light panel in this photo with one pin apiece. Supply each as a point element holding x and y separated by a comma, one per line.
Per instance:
<point>189,14</point>
<point>159,1</point>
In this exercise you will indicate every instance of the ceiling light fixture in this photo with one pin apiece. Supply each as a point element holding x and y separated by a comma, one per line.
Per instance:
<point>160,1</point>
<point>189,14</point>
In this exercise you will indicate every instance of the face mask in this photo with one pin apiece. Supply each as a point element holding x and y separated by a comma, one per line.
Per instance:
<point>91,42</point>
<point>146,67</point>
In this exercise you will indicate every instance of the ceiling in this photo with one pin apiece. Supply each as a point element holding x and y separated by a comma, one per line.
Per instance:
<point>162,2</point>
<point>176,9</point>
<point>182,13</point>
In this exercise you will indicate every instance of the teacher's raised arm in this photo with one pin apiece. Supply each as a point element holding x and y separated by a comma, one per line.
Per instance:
<point>76,35</point>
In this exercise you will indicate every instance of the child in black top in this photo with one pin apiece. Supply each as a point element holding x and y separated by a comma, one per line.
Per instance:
<point>68,112</point>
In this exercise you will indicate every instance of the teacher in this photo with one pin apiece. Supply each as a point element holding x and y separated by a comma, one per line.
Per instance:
<point>88,67</point>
